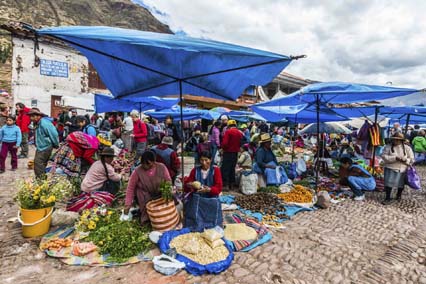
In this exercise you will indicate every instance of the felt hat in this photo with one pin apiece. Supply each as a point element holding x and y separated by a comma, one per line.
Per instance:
<point>242,126</point>
<point>232,122</point>
<point>35,111</point>
<point>197,132</point>
<point>265,137</point>
<point>398,136</point>
<point>168,140</point>
<point>107,152</point>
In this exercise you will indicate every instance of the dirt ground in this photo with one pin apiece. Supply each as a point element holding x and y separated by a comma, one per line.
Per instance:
<point>351,242</point>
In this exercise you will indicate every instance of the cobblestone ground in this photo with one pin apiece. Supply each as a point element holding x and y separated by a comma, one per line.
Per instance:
<point>351,242</point>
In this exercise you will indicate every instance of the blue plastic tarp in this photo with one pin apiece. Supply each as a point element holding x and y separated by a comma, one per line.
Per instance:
<point>135,63</point>
<point>339,93</point>
<point>188,114</point>
<point>104,103</point>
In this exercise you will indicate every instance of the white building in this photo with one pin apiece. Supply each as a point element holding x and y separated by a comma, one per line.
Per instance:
<point>54,77</point>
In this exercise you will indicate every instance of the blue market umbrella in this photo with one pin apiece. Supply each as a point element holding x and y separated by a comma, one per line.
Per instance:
<point>135,63</point>
<point>320,94</point>
<point>325,127</point>
<point>175,113</point>
<point>105,103</point>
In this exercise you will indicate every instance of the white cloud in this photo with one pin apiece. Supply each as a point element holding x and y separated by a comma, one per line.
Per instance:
<point>360,41</point>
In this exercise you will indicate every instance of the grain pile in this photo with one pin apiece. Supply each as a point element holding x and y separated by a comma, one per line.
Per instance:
<point>193,246</point>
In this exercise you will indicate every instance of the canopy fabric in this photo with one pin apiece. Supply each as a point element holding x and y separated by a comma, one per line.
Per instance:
<point>339,93</point>
<point>299,113</point>
<point>244,116</point>
<point>325,127</point>
<point>188,113</point>
<point>412,110</point>
<point>104,103</point>
<point>135,63</point>
<point>358,122</point>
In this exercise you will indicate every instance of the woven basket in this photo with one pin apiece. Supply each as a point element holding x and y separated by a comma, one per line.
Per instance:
<point>163,215</point>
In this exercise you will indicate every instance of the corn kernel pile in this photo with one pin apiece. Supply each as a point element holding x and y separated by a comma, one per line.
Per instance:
<point>299,194</point>
<point>205,254</point>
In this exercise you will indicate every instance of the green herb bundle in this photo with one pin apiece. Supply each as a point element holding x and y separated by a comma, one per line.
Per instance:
<point>166,190</point>
<point>269,189</point>
<point>121,240</point>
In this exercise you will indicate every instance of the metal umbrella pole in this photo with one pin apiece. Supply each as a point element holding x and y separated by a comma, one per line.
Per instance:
<point>407,121</point>
<point>181,130</point>
<point>293,141</point>
<point>376,113</point>
<point>317,164</point>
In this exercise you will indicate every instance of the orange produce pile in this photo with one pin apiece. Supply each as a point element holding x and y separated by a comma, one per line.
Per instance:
<point>299,194</point>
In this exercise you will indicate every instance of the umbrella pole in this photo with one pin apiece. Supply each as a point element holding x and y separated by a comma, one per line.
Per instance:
<point>293,141</point>
<point>318,144</point>
<point>181,129</point>
<point>140,110</point>
<point>376,113</point>
<point>406,124</point>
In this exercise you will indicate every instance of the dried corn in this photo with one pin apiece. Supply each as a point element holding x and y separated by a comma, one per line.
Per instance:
<point>205,255</point>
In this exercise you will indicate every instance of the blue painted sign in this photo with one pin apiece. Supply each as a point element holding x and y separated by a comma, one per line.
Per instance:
<point>53,68</point>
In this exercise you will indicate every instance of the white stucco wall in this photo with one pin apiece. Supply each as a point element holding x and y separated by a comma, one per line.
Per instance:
<point>29,84</point>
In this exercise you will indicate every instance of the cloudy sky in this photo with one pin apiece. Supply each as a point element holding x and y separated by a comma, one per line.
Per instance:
<point>375,42</point>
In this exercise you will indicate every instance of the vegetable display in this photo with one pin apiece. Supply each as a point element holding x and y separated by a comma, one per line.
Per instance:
<point>166,190</point>
<point>264,203</point>
<point>120,240</point>
<point>299,194</point>
<point>269,189</point>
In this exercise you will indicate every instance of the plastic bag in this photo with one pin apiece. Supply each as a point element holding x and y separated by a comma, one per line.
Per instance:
<point>324,200</point>
<point>412,178</point>
<point>192,247</point>
<point>167,265</point>
<point>212,234</point>
<point>126,217</point>
<point>217,159</point>
<point>301,166</point>
<point>248,183</point>
<point>215,243</point>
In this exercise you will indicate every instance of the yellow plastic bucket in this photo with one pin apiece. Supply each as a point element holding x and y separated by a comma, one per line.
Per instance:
<point>35,222</point>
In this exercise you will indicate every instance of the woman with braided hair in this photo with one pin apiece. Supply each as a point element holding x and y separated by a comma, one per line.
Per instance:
<point>397,157</point>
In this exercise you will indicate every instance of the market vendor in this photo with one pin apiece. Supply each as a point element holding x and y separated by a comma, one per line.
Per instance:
<point>356,177</point>
<point>397,157</point>
<point>100,172</point>
<point>345,150</point>
<point>264,156</point>
<point>206,176</point>
<point>144,183</point>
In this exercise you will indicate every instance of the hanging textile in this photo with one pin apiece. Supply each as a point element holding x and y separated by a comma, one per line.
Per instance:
<point>374,133</point>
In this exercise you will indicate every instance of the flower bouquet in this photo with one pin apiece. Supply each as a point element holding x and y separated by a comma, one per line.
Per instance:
<point>36,198</point>
<point>42,193</point>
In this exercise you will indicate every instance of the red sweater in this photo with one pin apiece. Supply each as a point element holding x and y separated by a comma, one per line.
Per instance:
<point>232,140</point>
<point>23,120</point>
<point>140,131</point>
<point>215,189</point>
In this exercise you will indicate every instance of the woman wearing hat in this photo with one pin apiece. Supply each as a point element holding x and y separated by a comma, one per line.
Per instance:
<point>265,158</point>
<point>46,138</point>
<point>231,144</point>
<point>100,172</point>
<point>99,185</point>
<point>397,157</point>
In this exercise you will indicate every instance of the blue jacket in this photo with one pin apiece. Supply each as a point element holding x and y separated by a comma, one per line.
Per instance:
<point>264,156</point>
<point>11,134</point>
<point>46,135</point>
<point>90,130</point>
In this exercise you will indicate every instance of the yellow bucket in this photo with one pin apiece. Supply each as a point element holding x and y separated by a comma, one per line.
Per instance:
<point>35,222</point>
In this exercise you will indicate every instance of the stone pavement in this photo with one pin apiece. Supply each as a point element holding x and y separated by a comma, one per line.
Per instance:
<point>351,242</point>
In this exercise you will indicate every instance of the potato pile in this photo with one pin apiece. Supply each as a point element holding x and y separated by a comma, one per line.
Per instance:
<point>194,247</point>
<point>265,203</point>
<point>56,244</point>
<point>299,194</point>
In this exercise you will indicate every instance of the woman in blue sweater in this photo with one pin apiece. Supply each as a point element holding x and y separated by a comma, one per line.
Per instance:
<point>10,138</point>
